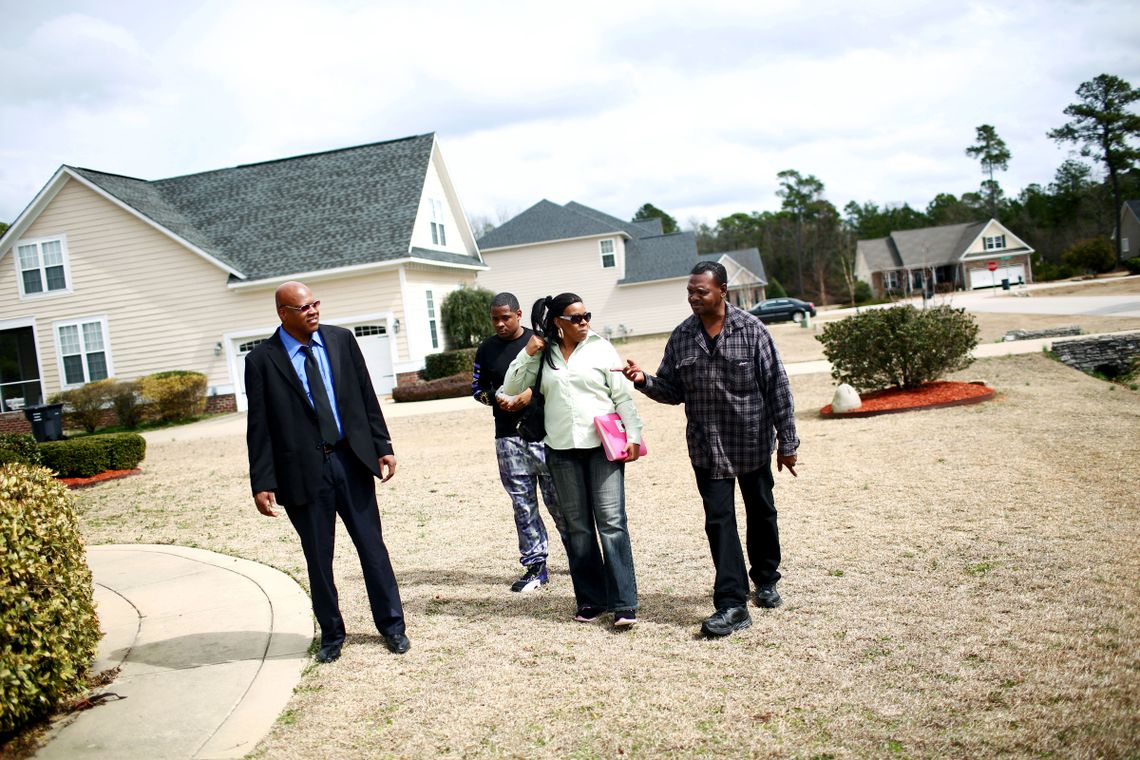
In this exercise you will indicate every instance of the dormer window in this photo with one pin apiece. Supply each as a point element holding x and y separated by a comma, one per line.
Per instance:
<point>609,259</point>
<point>995,243</point>
<point>438,235</point>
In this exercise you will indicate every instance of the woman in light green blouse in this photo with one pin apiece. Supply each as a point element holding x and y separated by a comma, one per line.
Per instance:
<point>579,383</point>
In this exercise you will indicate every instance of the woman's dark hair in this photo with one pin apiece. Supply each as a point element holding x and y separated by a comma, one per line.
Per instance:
<point>542,317</point>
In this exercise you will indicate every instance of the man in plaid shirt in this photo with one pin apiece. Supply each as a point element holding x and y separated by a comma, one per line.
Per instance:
<point>722,365</point>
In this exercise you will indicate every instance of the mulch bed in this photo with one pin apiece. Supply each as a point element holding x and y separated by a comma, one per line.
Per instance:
<point>936,395</point>
<point>105,475</point>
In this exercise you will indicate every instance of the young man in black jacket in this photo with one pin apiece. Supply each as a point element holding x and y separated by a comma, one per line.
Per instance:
<point>522,465</point>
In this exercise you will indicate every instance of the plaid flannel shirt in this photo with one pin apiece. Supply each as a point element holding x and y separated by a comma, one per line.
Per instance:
<point>737,399</point>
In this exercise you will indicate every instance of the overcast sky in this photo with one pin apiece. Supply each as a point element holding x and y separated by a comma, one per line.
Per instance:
<point>692,106</point>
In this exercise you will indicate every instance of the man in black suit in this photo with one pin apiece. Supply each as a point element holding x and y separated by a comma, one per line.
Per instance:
<point>316,439</point>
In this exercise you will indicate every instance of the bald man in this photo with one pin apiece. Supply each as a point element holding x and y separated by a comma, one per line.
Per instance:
<point>317,440</point>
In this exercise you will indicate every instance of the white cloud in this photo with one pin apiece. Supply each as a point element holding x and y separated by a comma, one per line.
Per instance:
<point>691,106</point>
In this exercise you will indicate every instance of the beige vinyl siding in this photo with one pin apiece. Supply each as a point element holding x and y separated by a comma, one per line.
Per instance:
<point>533,272</point>
<point>166,307</point>
<point>417,280</point>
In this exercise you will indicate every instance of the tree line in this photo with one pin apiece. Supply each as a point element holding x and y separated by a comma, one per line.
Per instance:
<point>808,245</point>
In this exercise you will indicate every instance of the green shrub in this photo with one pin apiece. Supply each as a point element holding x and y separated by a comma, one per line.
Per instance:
<point>19,447</point>
<point>775,289</point>
<point>1094,255</point>
<point>466,315</point>
<point>128,406</point>
<point>77,457</point>
<point>863,292</point>
<point>177,395</point>
<point>448,363</point>
<point>124,450</point>
<point>48,627</point>
<point>86,403</point>
<point>444,387</point>
<point>899,346</point>
<point>1132,265</point>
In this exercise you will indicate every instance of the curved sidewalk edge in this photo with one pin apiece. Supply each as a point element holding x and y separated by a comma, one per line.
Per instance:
<point>210,648</point>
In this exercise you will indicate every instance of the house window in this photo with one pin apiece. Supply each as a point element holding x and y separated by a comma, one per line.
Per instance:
<point>609,260</point>
<point>363,331</point>
<point>995,243</point>
<point>438,234</point>
<point>19,370</point>
<point>249,345</point>
<point>83,353</point>
<point>431,320</point>
<point>1124,245</point>
<point>42,266</point>
<point>891,280</point>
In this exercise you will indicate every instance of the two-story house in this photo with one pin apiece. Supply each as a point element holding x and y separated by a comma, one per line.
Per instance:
<point>113,276</point>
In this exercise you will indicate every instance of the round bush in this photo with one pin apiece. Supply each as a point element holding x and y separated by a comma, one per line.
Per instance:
<point>900,346</point>
<point>48,627</point>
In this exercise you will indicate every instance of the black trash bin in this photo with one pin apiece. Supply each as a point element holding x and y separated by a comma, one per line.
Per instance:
<point>1005,283</point>
<point>47,421</point>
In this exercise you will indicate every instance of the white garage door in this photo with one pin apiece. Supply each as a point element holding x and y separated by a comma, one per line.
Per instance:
<point>984,278</point>
<point>374,344</point>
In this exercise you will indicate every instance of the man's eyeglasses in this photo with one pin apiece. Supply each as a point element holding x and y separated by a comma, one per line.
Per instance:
<point>576,318</point>
<point>303,307</point>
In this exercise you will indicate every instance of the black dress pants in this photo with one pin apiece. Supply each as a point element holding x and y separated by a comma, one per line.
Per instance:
<point>347,488</point>
<point>730,588</point>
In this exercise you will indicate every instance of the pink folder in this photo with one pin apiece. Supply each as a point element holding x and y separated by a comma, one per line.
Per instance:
<point>612,432</point>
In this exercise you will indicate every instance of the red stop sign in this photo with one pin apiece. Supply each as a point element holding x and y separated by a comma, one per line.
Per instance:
<point>992,266</point>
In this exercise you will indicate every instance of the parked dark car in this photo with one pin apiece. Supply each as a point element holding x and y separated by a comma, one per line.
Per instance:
<point>782,310</point>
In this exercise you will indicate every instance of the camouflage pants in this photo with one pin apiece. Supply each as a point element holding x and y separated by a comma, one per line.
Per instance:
<point>522,470</point>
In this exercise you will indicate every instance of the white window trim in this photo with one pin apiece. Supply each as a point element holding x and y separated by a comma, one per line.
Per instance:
<point>79,322</point>
<point>993,242</point>
<point>438,236</point>
<point>432,311</point>
<point>1124,245</point>
<point>602,254</point>
<point>38,242</point>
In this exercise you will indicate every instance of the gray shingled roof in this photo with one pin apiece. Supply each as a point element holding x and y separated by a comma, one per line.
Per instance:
<point>308,213</point>
<point>660,257</point>
<point>1134,206</point>
<point>749,258</point>
<point>934,246</point>
<point>879,254</point>
<point>544,222</point>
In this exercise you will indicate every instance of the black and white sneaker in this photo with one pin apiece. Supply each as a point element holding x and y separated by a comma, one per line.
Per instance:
<point>534,577</point>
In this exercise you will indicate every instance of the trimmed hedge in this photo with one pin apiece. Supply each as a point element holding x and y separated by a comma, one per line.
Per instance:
<point>19,447</point>
<point>91,455</point>
<point>899,346</point>
<point>448,363</point>
<point>177,394</point>
<point>445,387</point>
<point>48,628</point>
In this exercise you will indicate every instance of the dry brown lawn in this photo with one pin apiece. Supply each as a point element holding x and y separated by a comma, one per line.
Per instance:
<point>959,582</point>
<point>1108,286</point>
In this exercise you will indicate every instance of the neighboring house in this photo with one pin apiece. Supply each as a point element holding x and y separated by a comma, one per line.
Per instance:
<point>111,276</point>
<point>952,257</point>
<point>630,275</point>
<point>1129,227</point>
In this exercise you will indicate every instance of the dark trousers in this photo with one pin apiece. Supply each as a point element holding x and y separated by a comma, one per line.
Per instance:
<point>348,489</point>
<point>763,537</point>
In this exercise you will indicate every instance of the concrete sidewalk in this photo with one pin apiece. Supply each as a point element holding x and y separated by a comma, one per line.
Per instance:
<point>209,649</point>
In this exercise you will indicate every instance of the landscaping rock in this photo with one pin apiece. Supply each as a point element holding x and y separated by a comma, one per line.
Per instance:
<point>1049,332</point>
<point>845,399</point>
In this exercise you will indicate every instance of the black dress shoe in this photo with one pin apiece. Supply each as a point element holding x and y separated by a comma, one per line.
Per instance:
<point>328,653</point>
<point>397,643</point>
<point>724,622</point>
<point>767,596</point>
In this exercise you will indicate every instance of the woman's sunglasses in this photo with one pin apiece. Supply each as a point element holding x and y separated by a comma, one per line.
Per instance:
<point>576,318</point>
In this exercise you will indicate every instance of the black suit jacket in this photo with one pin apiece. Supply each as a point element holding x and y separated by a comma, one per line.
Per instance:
<point>282,432</point>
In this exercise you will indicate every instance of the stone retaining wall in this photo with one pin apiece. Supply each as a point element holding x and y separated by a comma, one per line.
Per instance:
<point>1108,354</point>
<point>1049,332</point>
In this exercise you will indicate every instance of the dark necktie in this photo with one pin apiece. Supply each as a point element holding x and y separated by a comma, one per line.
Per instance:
<point>325,419</point>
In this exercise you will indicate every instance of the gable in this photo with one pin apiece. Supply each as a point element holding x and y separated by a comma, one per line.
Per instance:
<point>975,246</point>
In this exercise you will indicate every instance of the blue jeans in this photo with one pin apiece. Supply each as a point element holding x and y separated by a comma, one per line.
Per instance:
<point>591,494</point>
<point>522,470</point>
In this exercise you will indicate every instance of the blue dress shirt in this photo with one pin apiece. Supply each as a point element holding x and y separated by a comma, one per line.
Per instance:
<point>297,357</point>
